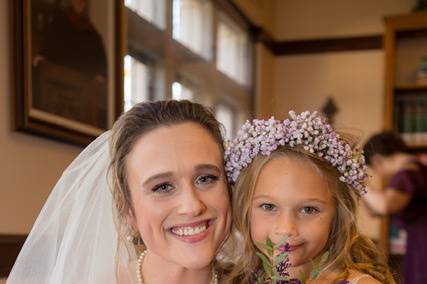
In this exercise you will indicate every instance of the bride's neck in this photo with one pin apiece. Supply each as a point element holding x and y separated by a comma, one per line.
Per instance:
<point>156,270</point>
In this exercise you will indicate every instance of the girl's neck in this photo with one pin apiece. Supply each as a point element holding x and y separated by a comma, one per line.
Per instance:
<point>309,267</point>
<point>296,271</point>
<point>156,270</point>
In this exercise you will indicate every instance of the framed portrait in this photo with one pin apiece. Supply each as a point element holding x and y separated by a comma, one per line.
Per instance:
<point>68,61</point>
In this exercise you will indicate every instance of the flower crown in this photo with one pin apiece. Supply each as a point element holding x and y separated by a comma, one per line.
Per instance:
<point>310,130</point>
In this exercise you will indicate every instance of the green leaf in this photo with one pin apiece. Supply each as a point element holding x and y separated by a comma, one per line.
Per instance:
<point>269,247</point>
<point>283,278</point>
<point>324,257</point>
<point>281,257</point>
<point>260,279</point>
<point>281,242</point>
<point>318,268</point>
<point>269,243</point>
<point>261,245</point>
<point>265,263</point>
<point>302,277</point>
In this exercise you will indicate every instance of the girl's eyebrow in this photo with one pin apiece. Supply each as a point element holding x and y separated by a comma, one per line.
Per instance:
<point>316,200</point>
<point>261,196</point>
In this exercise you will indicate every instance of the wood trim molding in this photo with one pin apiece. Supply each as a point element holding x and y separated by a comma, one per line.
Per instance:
<point>310,46</point>
<point>320,45</point>
<point>10,245</point>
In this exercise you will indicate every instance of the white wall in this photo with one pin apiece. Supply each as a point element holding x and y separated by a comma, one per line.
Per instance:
<point>353,79</point>
<point>29,165</point>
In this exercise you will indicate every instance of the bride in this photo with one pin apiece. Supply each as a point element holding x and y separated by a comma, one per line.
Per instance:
<point>146,202</point>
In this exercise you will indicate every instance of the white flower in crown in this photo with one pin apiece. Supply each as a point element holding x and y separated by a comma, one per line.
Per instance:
<point>308,130</point>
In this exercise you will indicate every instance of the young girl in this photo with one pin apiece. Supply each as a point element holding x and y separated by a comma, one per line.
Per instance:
<point>299,180</point>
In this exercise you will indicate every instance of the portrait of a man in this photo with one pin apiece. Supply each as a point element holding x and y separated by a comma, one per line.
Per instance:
<point>69,63</point>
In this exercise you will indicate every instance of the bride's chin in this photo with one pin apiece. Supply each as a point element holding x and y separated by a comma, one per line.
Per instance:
<point>197,263</point>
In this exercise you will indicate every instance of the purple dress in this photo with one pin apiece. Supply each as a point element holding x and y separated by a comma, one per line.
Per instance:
<point>413,218</point>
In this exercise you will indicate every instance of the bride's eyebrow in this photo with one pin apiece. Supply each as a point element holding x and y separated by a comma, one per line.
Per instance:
<point>208,167</point>
<point>157,177</point>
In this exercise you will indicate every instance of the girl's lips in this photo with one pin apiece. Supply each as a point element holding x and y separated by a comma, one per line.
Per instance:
<point>294,247</point>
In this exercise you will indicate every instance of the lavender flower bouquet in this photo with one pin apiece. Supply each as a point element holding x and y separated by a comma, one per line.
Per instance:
<point>275,261</point>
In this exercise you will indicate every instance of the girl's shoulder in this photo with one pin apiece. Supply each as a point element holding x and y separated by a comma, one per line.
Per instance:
<point>360,278</point>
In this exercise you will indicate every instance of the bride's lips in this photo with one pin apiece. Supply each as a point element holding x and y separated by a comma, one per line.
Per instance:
<point>192,232</point>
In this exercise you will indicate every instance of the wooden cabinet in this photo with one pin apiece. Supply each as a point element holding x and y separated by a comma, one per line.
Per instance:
<point>405,44</point>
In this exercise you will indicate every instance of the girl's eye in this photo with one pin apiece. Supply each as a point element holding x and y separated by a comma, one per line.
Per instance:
<point>162,188</point>
<point>206,179</point>
<point>268,207</point>
<point>309,210</point>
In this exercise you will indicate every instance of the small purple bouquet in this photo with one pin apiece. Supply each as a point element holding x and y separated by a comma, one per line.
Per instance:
<point>275,262</point>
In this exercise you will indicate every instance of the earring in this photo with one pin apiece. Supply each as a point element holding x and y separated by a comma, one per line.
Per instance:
<point>129,238</point>
<point>134,237</point>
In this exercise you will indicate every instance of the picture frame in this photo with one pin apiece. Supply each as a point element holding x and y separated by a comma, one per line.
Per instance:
<point>68,67</point>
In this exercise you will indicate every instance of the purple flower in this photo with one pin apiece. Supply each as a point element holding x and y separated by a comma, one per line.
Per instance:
<point>284,248</point>
<point>306,129</point>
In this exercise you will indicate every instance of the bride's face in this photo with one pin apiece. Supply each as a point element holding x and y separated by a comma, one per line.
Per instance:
<point>179,194</point>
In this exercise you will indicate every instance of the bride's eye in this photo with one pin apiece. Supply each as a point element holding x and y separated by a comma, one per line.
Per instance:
<point>206,179</point>
<point>162,188</point>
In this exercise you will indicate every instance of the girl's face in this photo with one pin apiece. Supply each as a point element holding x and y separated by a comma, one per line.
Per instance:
<point>292,199</point>
<point>179,195</point>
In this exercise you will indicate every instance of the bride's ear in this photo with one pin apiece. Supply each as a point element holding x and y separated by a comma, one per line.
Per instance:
<point>130,218</point>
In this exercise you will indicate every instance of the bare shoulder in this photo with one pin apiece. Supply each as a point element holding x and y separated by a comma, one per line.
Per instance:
<point>360,278</point>
<point>368,280</point>
<point>364,279</point>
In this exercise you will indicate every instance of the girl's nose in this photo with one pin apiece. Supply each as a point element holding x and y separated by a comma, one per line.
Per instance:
<point>286,226</point>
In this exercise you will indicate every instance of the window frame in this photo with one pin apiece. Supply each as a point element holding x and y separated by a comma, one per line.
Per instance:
<point>179,62</point>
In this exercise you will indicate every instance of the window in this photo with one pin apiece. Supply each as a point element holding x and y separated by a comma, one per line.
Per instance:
<point>233,50</point>
<point>180,92</point>
<point>192,25</point>
<point>138,78</point>
<point>153,11</point>
<point>225,115</point>
<point>202,41</point>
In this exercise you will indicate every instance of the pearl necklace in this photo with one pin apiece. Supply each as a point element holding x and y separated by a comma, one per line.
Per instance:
<point>139,270</point>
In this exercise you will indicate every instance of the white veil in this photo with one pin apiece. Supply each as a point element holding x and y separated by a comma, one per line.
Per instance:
<point>74,239</point>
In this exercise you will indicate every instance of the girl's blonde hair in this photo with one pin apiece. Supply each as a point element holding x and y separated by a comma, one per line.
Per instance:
<point>348,249</point>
